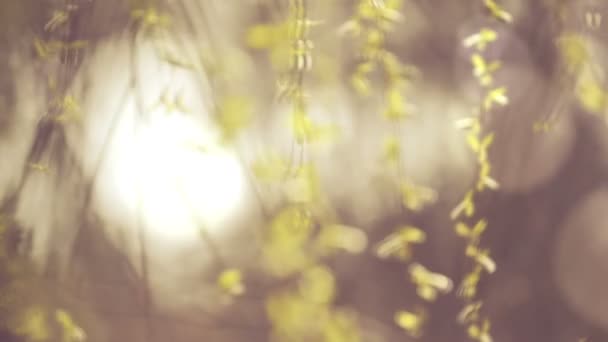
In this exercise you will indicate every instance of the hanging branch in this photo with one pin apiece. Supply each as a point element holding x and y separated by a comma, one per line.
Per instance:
<point>479,141</point>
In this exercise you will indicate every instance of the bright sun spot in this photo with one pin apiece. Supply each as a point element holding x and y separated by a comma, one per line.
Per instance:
<point>182,182</point>
<point>165,170</point>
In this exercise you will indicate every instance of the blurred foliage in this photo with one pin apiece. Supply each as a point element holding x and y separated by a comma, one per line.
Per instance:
<point>234,114</point>
<point>304,232</point>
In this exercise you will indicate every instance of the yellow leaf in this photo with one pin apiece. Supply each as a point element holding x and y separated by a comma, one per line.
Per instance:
<point>395,71</point>
<point>317,284</point>
<point>304,186</point>
<point>59,18</point>
<point>269,168</point>
<point>462,229</point>
<point>487,140</point>
<point>366,67</point>
<point>295,317</point>
<point>367,10</point>
<point>396,105</point>
<point>33,324</point>
<point>484,177</point>
<point>45,49</point>
<point>481,39</point>
<point>472,234</point>
<point>427,292</point>
<point>592,96</point>
<point>482,257</point>
<point>470,312</point>
<point>70,330</point>
<point>474,331</point>
<point>415,197</point>
<point>497,11</point>
<point>412,234</point>
<point>483,147</point>
<point>573,48</point>
<point>337,236</point>
<point>150,18</point>
<point>360,84</point>
<point>302,125</point>
<point>398,244</point>
<point>392,150</point>
<point>480,333</point>
<point>307,131</point>
<point>265,36</point>
<point>39,167</point>
<point>466,206</point>
<point>428,283</point>
<point>374,38</point>
<point>496,96</point>
<point>412,322</point>
<point>473,141</point>
<point>342,326</point>
<point>230,281</point>
<point>482,69</point>
<point>468,287</point>
<point>393,247</point>
<point>235,113</point>
<point>285,247</point>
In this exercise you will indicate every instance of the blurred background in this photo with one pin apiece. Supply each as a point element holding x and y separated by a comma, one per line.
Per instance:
<point>168,174</point>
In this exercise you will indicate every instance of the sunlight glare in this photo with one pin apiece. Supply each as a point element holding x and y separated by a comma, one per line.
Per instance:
<point>184,182</point>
